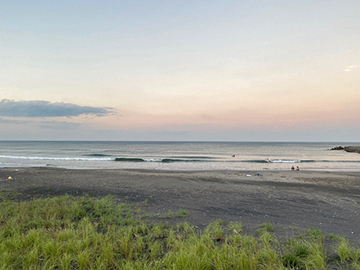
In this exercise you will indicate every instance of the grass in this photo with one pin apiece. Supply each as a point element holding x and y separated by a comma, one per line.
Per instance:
<point>268,227</point>
<point>181,213</point>
<point>7,194</point>
<point>344,250</point>
<point>87,233</point>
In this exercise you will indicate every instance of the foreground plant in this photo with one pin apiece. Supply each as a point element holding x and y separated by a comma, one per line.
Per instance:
<point>87,233</point>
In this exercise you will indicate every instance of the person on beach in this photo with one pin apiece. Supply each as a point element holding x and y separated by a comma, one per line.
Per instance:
<point>297,168</point>
<point>292,168</point>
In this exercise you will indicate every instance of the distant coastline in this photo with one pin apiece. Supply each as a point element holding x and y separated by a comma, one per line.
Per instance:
<point>350,149</point>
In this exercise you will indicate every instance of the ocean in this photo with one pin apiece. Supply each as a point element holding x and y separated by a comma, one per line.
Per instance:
<point>177,155</point>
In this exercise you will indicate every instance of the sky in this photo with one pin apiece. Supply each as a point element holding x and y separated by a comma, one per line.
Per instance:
<point>246,70</point>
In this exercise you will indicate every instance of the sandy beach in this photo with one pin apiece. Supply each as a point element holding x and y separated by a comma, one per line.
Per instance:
<point>291,200</point>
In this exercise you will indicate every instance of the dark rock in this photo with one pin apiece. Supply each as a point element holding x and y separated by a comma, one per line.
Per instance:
<point>337,148</point>
<point>350,149</point>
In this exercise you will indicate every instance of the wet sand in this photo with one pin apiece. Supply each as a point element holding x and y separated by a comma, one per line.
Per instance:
<point>293,201</point>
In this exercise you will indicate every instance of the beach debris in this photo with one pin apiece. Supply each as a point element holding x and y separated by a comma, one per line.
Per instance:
<point>235,231</point>
<point>10,178</point>
<point>258,175</point>
<point>249,175</point>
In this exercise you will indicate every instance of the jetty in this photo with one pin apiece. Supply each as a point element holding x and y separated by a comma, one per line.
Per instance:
<point>350,149</point>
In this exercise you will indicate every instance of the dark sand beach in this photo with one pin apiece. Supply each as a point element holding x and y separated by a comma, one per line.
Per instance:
<point>291,200</point>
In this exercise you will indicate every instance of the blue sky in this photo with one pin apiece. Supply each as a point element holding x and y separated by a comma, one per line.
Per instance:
<point>178,70</point>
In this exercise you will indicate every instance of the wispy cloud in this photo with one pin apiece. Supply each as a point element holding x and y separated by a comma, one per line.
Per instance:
<point>42,108</point>
<point>58,125</point>
<point>42,124</point>
<point>13,122</point>
<point>351,68</point>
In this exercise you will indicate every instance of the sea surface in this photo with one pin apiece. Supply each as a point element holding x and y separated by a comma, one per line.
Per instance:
<point>177,155</point>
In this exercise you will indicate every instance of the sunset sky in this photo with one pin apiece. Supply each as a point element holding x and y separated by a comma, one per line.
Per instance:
<point>246,70</point>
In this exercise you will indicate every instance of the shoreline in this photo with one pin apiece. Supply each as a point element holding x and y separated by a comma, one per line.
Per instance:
<point>327,200</point>
<point>302,169</point>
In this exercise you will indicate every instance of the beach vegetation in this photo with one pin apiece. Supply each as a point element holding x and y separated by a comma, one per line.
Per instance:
<point>334,237</point>
<point>315,234</point>
<point>355,259</point>
<point>235,227</point>
<point>170,214</point>
<point>181,213</point>
<point>269,227</point>
<point>8,194</point>
<point>68,232</point>
<point>344,250</point>
<point>145,202</point>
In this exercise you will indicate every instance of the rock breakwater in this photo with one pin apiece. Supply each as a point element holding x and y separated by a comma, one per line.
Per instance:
<point>350,149</point>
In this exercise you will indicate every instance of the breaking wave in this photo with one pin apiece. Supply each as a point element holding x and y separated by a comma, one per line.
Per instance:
<point>97,155</point>
<point>163,160</point>
<point>102,157</point>
<point>59,158</point>
<point>293,161</point>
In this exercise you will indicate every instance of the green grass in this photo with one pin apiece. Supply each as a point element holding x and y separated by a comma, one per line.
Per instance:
<point>7,194</point>
<point>181,213</point>
<point>87,233</point>
<point>344,250</point>
<point>268,227</point>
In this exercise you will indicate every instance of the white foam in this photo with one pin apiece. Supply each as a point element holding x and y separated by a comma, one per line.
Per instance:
<point>152,160</point>
<point>58,158</point>
<point>284,161</point>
